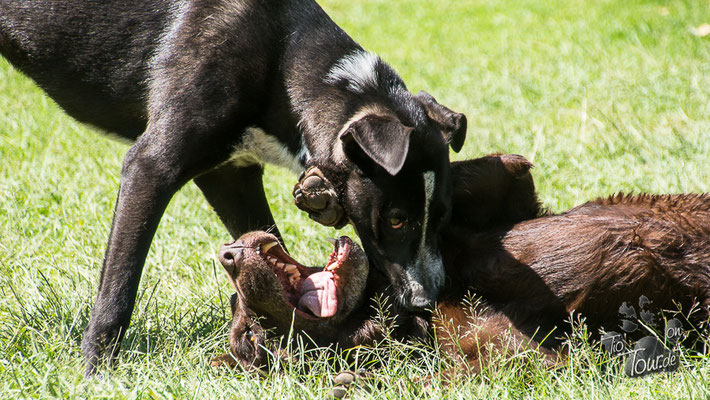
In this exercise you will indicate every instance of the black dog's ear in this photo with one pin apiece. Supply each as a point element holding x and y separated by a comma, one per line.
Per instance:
<point>383,139</point>
<point>452,124</point>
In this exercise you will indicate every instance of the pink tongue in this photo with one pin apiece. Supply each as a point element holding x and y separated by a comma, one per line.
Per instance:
<point>318,294</point>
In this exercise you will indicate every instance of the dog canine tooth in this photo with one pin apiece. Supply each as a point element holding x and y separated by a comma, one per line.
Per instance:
<point>331,240</point>
<point>267,246</point>
<point>332,266</point>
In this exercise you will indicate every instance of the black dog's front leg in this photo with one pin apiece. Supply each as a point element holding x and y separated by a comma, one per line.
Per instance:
<point>317,196</point>
<point>148,182</point>
<point>142,198</point>
<point>237,195</point>
<point>159,163</point>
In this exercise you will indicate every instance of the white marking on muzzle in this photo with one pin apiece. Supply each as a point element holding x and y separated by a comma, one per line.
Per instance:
<point>428,267</point>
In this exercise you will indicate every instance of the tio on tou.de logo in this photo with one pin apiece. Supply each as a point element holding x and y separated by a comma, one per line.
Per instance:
<point>649,354</point>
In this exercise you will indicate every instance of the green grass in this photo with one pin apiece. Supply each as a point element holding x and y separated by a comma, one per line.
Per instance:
<point>603,96</point>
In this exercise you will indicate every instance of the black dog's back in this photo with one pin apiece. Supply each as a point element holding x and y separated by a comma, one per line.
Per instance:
<point>91,57</point>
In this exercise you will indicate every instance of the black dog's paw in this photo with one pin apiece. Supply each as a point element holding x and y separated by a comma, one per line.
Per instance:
<point>315,195</point>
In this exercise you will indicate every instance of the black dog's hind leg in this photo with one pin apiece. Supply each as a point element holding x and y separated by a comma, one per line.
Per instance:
<point>237,195</point>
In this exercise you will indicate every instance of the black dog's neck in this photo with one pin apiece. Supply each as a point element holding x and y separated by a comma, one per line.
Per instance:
<point>320,103</point>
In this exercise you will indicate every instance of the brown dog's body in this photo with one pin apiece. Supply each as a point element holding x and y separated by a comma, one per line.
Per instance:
<point>529,271</point>
<point>588,261</point>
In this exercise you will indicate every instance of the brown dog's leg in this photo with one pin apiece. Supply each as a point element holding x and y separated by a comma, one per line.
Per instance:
<point>315,195</point>
<point>344,382</point>
<point>473,337</point>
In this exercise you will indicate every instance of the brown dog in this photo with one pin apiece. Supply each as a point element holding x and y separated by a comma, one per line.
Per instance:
<point>528,271</point>
<point>276,292</point>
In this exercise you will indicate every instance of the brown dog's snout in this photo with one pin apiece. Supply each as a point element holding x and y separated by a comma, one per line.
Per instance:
<point>228,255</point>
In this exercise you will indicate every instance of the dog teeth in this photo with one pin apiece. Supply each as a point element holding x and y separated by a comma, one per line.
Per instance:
<point>331,240</point>
<point>272,260</point>
<point>267,246</point>
<point>280,264</point>
<point>290,268</point>
<point>332,266</point>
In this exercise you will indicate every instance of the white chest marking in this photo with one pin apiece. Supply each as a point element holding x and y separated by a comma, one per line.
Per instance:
<point>258,148</point>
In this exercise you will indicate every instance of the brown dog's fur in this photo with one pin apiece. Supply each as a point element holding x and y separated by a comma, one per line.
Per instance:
<point>528,271</point>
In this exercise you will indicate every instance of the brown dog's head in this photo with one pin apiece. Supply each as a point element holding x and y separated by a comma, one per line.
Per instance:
<point>272,285</point>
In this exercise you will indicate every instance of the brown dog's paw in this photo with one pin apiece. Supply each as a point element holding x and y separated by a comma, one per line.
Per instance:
<point>344,381</point>
<point>224,360</point>
<point>517,165</point>
<point>315,195</point>
<point>341,384</point>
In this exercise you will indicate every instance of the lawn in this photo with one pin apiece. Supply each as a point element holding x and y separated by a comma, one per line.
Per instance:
<point>603,96</point>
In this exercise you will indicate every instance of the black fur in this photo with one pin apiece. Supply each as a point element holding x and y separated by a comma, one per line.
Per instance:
<point>185,81</point>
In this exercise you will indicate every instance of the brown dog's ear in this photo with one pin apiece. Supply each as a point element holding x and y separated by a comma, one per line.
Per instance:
<point>382,138</point>
<point>234,302</point>
<point>452,124</point>
<point>247,339</point>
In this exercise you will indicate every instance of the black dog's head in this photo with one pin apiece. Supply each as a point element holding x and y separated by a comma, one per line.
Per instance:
<point>396,191</point>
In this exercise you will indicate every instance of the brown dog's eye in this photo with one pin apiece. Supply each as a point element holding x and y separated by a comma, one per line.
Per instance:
<point>396,223</point>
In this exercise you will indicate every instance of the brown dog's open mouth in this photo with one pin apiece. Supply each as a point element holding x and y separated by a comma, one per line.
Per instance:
<point>312,292</point>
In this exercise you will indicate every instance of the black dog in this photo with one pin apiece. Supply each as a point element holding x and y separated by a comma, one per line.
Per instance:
<point>211,90</point>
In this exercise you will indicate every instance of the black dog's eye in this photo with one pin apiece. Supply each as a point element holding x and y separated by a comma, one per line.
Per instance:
<point>396,223</point>
<point>250,335</point>
<point>396,219</point>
